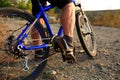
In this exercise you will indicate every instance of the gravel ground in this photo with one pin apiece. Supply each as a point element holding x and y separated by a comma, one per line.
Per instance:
<point>106,66</point>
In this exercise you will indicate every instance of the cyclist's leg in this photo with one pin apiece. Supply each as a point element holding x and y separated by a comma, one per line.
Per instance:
<point>68,19</point>
<point>68,23</point>
<point>68,15</point>
<point>35,10</point>
<point>35,6</point>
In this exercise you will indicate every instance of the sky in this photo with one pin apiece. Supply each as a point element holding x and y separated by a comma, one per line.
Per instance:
<point>99,4</point>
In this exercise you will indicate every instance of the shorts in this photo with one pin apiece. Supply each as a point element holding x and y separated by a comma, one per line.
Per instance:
<point>57,3</point>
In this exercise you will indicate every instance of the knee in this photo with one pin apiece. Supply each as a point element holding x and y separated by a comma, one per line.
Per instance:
<point>69,6</point>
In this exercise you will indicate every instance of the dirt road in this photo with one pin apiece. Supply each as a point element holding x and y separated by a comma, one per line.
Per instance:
<point>106,66</point>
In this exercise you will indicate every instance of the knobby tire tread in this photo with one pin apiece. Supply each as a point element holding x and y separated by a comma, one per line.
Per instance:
<point>89,53</point>
<point>24,14</point>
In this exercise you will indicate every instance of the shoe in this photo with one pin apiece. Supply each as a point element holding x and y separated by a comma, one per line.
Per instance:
<point>38,55</point>
<point>67,49</point>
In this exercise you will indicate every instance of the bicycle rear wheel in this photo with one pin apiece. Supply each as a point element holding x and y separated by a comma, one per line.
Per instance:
<point>86,34</point>
<point>12,65</point>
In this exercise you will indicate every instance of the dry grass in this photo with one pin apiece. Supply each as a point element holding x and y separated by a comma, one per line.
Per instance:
<point>105,18</point>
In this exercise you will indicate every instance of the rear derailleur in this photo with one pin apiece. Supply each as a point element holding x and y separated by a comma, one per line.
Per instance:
<point>11,47</point>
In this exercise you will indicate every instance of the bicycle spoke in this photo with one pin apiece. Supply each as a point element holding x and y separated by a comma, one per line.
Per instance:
<point>12,23</point>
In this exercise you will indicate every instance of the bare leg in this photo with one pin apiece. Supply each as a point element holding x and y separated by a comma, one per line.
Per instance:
<point>35,34</point>
<point>68,19</point>
<point>68,23</point>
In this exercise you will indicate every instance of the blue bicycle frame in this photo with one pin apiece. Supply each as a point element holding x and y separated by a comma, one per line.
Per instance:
<point>25,32</point>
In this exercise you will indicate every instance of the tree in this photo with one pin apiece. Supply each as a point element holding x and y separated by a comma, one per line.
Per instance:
<point>5,3</point>
<point>29,5</point>
<point>22,4</point>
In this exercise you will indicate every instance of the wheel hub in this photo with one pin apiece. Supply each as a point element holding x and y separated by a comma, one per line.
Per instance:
<point>11,47</point>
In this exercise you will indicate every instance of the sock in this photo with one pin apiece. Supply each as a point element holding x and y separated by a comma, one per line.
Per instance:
<point>68,39</point>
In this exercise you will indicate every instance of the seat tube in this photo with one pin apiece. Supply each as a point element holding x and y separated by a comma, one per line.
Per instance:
<point>46,20</point>
<point>47,24</point>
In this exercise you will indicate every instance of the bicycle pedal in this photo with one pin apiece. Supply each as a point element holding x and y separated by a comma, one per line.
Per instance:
<point>70,59</point>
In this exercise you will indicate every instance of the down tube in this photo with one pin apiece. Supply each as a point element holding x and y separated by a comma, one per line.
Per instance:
<point>60,32</point>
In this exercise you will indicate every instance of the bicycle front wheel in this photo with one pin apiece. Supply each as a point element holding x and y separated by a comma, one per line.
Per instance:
<point>15,64</point>
<point>86,34</point>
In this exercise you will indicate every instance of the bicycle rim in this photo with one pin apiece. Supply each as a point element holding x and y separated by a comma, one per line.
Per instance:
<point>86,35</point>
<point>13,67</point>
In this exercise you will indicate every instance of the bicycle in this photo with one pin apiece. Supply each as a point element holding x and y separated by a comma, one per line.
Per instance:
<point>16,48</point>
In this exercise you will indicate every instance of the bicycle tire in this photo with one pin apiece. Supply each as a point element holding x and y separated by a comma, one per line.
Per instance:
<point>11,67</point>
<point>86,35</point>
